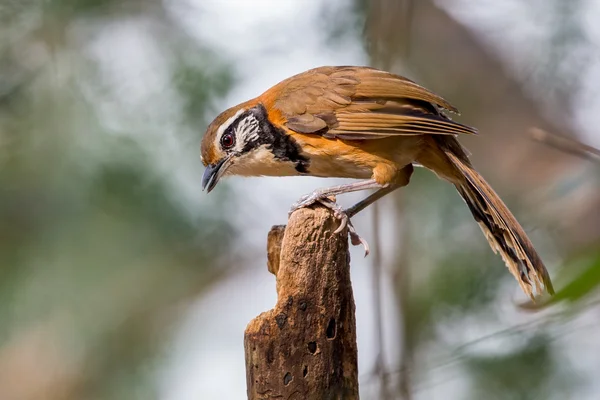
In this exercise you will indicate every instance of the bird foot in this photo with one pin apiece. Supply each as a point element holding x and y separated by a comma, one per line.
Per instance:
<point>338,212</point>
<point>307,200</point>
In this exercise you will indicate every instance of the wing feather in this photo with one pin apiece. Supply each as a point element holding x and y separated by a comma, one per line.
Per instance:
<point>358,103</point>
<point>396,124</point>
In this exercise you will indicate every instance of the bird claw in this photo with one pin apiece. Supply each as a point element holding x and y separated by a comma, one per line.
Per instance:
<point>305,201</point>
<point>338,213</point>
<point>357,240</point>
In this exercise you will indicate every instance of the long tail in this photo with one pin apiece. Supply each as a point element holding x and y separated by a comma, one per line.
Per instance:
<point>500,227</point>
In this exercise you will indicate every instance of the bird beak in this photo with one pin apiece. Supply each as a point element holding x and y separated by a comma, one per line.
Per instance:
<point>213,173</point>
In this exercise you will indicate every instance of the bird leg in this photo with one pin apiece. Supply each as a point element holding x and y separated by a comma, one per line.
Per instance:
<point>401,180</point>
<point>319,194</point>
<point>322,196</point>
<point>372,198</point>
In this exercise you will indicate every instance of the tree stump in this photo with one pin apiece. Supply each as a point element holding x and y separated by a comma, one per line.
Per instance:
<point>305,347</point>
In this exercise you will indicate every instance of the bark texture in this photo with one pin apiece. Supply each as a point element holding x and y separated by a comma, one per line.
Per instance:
<point>305,347</point>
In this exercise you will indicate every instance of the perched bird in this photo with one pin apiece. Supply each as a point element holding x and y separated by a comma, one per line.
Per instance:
<point>367,124</point>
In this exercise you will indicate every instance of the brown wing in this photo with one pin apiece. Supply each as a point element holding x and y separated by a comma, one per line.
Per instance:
<point>358,103</point>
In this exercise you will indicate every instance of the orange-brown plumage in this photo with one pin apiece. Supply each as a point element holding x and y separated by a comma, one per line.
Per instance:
<point>362,123</point>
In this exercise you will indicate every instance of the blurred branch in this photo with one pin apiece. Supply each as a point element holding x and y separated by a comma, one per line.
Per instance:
<point>376,275</point>
<point>568,145</point>
<point>402,283</point>
<point>382,14</point>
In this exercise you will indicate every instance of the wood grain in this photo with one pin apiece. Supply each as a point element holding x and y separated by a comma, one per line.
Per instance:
<point>305,347</point>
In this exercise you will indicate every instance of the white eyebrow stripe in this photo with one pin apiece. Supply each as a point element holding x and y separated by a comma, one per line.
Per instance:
<point>228,123</point>
<point>224,126</point>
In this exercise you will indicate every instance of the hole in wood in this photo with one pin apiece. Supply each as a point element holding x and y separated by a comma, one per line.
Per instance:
<point>280,319</point>
<point>287,378</point>
<point>305,371</point>
<point>312,347</point>
<point>331,329</point>
<point>303,305</point>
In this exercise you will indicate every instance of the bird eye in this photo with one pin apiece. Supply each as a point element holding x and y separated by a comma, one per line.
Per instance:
<point>227,141</point>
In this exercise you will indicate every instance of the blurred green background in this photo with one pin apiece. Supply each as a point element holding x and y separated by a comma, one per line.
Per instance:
<point>120,279</point>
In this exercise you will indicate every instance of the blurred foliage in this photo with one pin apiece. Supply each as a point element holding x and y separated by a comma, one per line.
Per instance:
<point>96,249</point>
<point>583,282</point>
<point>530,372</point>
<point>340,26</point>
<point>565,53</point>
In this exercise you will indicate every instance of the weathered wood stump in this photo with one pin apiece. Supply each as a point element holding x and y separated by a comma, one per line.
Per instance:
<point>305,347</point>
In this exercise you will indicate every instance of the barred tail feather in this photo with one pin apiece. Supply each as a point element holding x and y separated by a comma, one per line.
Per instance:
<point>502,230</point>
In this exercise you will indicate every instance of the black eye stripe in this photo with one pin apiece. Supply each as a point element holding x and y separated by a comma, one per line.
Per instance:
<point>263,133</point>
<point>283,146</point>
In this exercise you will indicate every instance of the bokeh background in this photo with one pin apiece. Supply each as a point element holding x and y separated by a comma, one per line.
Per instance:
<point>120,279</point>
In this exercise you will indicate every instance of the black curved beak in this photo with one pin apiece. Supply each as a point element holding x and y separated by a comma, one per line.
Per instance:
<point>213,173</point>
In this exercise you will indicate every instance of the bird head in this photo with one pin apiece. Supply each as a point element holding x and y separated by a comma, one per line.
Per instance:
<point>243,141</point>
<point>229,139</point>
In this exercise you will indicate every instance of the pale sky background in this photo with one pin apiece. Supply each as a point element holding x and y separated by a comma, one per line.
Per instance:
<point>267,41</point>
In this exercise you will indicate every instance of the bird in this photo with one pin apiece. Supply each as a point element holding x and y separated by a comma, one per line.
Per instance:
<point>366,124</point>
